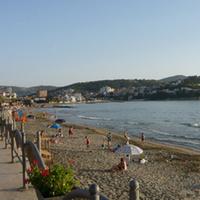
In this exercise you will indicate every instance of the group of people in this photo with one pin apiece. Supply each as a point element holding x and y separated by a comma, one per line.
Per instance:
<point>127,138</point>
<point>87,140</point>
<point>122,165</point>
<point>59,134</point>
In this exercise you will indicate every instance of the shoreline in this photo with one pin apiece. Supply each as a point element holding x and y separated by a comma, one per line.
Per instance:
<point>180,141</point>
<point>147,144</point>
<point>169,173</point>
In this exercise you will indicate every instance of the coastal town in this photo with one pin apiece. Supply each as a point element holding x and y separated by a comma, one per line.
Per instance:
<point>116,90</point>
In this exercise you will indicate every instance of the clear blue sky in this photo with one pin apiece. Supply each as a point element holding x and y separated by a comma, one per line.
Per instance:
<point>59,42</point>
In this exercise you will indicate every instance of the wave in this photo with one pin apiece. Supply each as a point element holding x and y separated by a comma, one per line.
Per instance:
<point>161,132</point>
<point>183,137</point>
<point>186,137</point>
<point>194,125</point>
<point>194,144</point>
<point>93,118</point>
<point>132,123</point>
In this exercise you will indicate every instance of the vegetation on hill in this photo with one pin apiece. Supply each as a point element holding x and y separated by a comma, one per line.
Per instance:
<point>175,87</point>
<point>95,86</point>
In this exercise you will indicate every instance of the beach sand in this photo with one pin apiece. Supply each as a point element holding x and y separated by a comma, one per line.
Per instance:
<point>170,173</point>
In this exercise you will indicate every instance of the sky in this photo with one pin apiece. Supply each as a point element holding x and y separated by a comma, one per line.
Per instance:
<point>61,42</point>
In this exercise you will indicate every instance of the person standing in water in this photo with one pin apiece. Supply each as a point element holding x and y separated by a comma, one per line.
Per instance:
<point>142,137</point>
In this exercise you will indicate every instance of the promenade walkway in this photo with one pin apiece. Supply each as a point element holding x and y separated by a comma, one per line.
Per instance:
<point>11,178</point>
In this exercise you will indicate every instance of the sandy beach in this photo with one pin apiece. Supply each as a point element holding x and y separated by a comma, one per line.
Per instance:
<point>169,173</point>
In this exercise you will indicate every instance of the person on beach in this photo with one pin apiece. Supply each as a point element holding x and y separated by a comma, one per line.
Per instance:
<point>104,143</point>
<point>71,131</point>
<point>122,166</point>
<point>127,138</point>
<point>109,140</point>
<point>42,133</point>
<point>60,132</point>
<point>128,158</point>
<point>87,141</point>
<point>142,137</point>
<point>54,139</point>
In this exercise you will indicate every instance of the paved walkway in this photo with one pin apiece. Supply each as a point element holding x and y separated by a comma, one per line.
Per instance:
<point>11,178</point>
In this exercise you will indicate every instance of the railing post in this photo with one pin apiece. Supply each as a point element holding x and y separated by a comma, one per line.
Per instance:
<point>94,192</point>
<point>23,159</point>
<point>39,141</point>
<point>12,145</point>
<point>6,134</point>
<point>8,129</point>
<point>1,128</point>
<point>134,190</point>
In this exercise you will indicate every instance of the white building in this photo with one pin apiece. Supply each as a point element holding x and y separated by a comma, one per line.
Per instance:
<point>8,95</point>
<point>78,97</point>
<point>106,90</point>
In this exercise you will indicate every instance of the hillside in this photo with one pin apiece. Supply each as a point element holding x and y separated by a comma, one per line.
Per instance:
<point>95,86</point>
<point>174,82</point>
<point>173,78</point>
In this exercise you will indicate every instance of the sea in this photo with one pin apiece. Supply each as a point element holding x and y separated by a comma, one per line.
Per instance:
<point>171,122</point>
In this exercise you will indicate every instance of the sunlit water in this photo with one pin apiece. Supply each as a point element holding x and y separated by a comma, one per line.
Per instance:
<point>174,122</point>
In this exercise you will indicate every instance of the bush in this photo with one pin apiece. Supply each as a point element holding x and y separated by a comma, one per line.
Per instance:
<point>55,181</point>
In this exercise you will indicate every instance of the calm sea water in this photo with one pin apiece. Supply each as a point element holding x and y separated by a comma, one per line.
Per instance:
<point>174,122</point>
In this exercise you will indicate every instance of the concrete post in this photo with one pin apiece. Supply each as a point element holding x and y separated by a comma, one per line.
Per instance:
<point>1,132</point>
<point>39,141</point>
<point>23,161</point>
<point>94,192</point>
<point>134,190</point>
<point>7,134</point>
<point>12,145</point>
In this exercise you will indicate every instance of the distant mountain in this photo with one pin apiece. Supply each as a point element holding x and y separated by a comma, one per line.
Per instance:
<point>173,78</point>
<point>25,91</point>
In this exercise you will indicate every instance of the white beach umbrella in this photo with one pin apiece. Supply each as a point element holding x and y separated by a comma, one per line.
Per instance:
<point>130,149</point>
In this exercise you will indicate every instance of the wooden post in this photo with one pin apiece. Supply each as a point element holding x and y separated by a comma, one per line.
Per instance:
<point>134,190</point>
<point>94,192</point>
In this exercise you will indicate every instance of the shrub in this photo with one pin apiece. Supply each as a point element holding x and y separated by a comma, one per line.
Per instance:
<point>55,181</point>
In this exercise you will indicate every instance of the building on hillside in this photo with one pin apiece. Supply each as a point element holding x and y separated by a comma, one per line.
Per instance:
<point>41,96</point>
<point>78,97</point>
<point>8,94</point>
<point>106,90</point>
<point>42,93</point>
<point>2,93</point>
